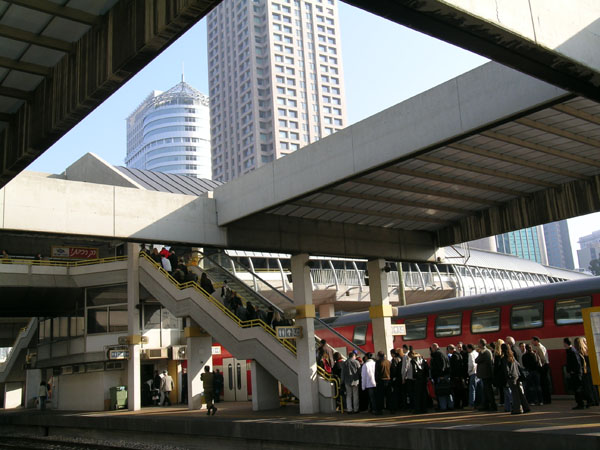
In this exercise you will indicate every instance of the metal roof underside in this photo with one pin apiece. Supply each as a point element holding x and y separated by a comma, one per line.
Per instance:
<point>536,153</point>
<point>59,59</point>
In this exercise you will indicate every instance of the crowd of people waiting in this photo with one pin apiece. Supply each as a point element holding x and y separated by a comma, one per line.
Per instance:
<point>465,376</point>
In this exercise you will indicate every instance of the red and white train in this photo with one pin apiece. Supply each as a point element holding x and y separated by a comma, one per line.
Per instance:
<point>551,312</point>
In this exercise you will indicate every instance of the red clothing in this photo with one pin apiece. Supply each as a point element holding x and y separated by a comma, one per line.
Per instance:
<point>164,252</point>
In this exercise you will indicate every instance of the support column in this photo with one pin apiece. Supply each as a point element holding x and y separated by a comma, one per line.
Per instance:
<point>265,388</point>
<point>326,310</point>
<point>380,310</point>
<point>134,388</point>
<point>308,389</point>
<point>199,354</point>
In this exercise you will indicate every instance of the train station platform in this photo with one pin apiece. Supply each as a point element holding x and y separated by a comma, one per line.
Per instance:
<point>235,426</point>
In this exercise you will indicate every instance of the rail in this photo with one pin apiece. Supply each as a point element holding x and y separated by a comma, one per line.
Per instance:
<point>241,323</point>
<point>273,289</point>
<point>336,383</point>
<point>57,263</point>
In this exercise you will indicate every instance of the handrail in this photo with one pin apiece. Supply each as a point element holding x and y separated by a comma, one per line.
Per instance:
<point>52,263</point>
<point>325,325</point>
<point>241,323</point>
<point>23,333</point>
<point>273,288</point>
<point>336,382</point>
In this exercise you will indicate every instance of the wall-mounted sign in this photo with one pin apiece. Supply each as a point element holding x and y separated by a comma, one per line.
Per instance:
<point>294,332</point>
<point>117,353</point>
<point>398,329</point>
<point>74,252</point>
<point>216,349</point>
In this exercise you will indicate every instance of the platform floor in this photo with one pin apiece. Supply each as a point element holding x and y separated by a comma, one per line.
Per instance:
<point>235,425</point>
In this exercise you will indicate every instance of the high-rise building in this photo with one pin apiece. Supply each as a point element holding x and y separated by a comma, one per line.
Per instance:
<point>170,132</point>
<point>558,245</point>
<point>590,249</point>
<point>527,243</point>
<point>276,80</point>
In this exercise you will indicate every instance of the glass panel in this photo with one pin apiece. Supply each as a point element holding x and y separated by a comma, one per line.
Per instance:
<point>77,327</point>
<point>415,329</point>
<point>107,295</point>
<point>47,328</point>
<point>97,321</point>
<point>117,318</point>
<point>527,316</point>
<point>360,335</point>
<point>448,325</point>
<point>55,328</point>
<point>485,321</point>
<point>64,327</point>
<point>151,316</point>
<point>169,321</point>
<point>568,312</point>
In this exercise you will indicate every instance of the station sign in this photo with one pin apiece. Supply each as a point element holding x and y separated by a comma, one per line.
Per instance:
<point>74,252</point>
<point>117,353</point>
<point>215,350</point>
<point>398,329</point>
<point>293,332</point>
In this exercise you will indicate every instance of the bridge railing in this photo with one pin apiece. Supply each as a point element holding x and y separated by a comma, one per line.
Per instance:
<point>60,263</point>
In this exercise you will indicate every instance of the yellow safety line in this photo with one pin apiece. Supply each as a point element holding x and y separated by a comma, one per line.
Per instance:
<point>85,262</point>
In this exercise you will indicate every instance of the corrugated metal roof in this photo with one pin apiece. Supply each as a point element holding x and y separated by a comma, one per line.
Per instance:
<point>168,182</point>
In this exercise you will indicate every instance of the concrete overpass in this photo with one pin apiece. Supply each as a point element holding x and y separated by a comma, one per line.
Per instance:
<point>488,152</point>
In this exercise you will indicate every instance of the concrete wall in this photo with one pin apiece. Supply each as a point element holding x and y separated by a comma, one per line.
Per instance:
<point>88,391</point>
<point>34,203</point>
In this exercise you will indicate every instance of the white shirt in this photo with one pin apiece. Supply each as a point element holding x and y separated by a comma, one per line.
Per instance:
<point>541,350</point>
<point>166,264</point>
<point>368,374</point>
<point>471,364</point>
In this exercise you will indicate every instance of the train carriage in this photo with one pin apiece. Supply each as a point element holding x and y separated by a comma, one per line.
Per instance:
<point>551,312</point>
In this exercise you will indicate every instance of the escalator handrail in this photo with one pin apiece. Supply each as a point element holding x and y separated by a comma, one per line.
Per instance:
<point>241,323</point>
<point>273,288</point>
<point>323,324</point>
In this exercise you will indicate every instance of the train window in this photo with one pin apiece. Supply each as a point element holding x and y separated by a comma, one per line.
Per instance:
<point>527,316</point>
<point>448,325</point>
<point>360,335</point>
<point>568,312</point>
<point>485,321</point>
<point>415,329</point>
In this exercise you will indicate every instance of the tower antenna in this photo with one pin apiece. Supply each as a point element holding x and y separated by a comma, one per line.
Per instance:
<point>182,72</point>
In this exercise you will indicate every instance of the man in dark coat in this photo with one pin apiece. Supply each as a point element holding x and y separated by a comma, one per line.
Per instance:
<point>485,372</point>
<point>575,371</point>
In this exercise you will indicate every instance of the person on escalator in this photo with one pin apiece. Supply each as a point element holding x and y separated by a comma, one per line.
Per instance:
<point>155,256</point>
<point>206,284</point>
<point>250,311</point>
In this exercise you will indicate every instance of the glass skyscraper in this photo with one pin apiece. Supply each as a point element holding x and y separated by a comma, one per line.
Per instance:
<point>558,245</point>
<point>276,81</point>
<point>527,243</point>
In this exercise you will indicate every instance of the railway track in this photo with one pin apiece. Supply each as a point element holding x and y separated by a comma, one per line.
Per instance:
<point>12,443</point>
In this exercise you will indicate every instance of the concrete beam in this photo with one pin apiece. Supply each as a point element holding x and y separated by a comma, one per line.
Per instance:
<point>116,47</point>
<point>553,40</point>
<point>478,99</point>
<point>35,203</point>
<point>272,233</point>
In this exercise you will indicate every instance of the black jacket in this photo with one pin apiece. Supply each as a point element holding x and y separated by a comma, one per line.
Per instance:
<point>439,364</point>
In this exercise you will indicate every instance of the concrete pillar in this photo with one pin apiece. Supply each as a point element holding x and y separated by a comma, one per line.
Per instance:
<point>33,378</point>
<point>265,388</point>
<point>134,388</point>
<point>199,354</point>
<point>380,310</point>
<point>326,310</point>
<point>305,347</point>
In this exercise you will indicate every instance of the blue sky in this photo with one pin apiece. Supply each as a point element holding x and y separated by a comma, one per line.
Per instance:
<point>383,65</point>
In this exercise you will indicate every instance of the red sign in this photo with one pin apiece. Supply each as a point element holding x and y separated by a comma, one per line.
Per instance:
<point>75,252</point>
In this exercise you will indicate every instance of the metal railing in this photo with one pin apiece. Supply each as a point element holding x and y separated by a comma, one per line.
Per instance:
<point>336,383</point>
<point>60,263</point>
<point>241,323</point>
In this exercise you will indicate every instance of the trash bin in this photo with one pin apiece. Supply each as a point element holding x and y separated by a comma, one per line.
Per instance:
<point>118,397</point>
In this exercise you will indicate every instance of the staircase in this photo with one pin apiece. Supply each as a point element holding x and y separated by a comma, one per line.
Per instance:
<point>20,345</point>
<point>251,339</point>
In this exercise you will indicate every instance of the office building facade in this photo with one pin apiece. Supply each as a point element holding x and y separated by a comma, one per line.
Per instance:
<point>589,249</point>
<point>170,132</point>
<point>276,80</point>
<point>527,243</point>
<point>558,245</point>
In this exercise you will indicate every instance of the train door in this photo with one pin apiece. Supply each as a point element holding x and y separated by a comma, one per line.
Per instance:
<point>235,380</point>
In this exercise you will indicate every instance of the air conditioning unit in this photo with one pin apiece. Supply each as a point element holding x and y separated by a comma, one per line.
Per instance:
<point>155,353</point>
<point>179,352</point>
